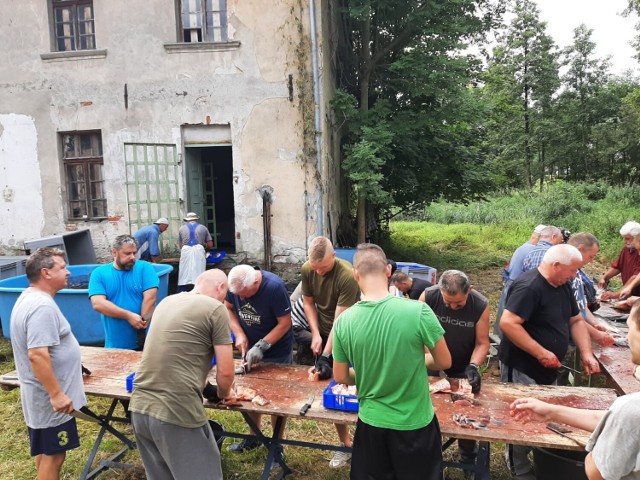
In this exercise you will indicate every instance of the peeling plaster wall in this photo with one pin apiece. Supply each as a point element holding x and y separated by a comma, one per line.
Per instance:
<point>244,87</point>
<point>20,181</point>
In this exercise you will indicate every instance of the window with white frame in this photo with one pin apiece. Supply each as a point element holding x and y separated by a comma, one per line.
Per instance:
<point>82,160</point>
<point>73,25</point>
<point>204,20</point>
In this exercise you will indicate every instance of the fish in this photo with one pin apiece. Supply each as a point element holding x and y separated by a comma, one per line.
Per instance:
<point>465,421</point>
<point>441,386</point>
<point>259,400</point>
<point>245,393</point>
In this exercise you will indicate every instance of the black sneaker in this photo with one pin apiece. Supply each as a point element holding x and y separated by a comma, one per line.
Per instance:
<point>244,446</point>
<point>278,457</point>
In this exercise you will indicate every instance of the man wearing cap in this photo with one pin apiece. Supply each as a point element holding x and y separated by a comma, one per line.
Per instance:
<point>194,239</point>
<point>147,238</point>
<point>514,270</point>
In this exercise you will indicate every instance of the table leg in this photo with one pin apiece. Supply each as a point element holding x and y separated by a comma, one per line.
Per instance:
<point>105,464</point>
<point>271,443</point>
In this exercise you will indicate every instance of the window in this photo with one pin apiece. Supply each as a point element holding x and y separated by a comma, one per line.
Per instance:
<point>82,159</point>
<point>204,20</point>
<point>73,25</point>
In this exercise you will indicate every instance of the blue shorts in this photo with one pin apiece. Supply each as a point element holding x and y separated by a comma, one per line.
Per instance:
<point>54,440</point>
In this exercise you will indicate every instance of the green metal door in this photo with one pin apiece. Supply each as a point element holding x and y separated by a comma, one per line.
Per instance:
<point>200,190</point>
<point>153,190</point>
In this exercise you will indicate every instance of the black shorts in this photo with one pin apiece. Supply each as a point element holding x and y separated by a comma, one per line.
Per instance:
<point>386,454</point>
<point>53,440</point>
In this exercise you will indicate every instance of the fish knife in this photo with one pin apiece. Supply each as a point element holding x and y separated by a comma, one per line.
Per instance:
<point>557,429</point>
<point>307,406</point>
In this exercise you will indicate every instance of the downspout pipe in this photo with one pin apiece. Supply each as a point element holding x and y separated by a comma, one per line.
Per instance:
<point>318,127</point>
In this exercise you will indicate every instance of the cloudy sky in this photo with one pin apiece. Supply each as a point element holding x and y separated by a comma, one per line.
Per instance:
<point>611,32</point>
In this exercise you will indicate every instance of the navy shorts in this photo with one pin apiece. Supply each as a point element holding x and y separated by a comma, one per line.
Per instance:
<point>53,440</point>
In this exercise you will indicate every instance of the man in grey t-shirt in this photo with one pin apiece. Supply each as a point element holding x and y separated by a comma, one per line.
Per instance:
<point>47,358</point>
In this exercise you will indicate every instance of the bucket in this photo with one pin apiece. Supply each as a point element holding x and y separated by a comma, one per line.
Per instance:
<point>218,432</point>
<point>554,463</point>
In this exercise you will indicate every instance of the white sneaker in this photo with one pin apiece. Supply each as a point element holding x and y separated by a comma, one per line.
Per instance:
<point>340,459</point>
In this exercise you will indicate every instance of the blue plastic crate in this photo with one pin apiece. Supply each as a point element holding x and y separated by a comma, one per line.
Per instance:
<point>348,403</point>
<point>130,382</point>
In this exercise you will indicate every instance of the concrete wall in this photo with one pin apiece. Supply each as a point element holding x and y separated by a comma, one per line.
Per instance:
<point>243,86</point>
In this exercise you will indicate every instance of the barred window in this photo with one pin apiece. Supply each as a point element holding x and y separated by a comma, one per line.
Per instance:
<point>82,159</point>
<point>204,20</point>
<point>73,25</point>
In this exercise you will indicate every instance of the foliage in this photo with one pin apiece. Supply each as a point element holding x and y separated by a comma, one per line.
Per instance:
<point>403,63</point>
<point>592,207</point>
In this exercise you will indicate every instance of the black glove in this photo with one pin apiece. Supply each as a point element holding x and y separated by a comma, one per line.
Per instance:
<point>324,366</point>
<point>474,377</point>
<point>210,392</point>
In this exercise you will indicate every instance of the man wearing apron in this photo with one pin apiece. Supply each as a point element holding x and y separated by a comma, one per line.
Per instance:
<point>194,238</point>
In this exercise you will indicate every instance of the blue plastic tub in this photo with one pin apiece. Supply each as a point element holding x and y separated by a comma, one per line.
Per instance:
<point>348,403</point>
<point>73,302</point>
<point>346,254</point>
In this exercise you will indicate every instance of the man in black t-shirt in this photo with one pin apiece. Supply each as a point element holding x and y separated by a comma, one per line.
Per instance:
<point>540,314</point>
<point>464,315</point>
<point>410,287</point>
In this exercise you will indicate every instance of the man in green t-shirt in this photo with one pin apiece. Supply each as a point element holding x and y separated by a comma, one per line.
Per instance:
<point>328,289</point>
<point>397,435</point>
<point>169,420</point>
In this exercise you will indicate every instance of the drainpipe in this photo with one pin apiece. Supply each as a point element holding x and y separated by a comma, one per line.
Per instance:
<point>318,128</point>
<point>266,193</point>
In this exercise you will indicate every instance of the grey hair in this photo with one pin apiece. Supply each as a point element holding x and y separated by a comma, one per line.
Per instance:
<point>563,254</point>
<point>630,228</point>
<point>550,231</point>
<point>41,258</point>
<point>586,240</point>
<point>122,240</point>
<point>454,282</point>
<point>241,276</point>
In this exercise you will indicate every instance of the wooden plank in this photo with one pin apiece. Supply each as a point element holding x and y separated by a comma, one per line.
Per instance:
<point>287,388</point>
<point>617,366</point>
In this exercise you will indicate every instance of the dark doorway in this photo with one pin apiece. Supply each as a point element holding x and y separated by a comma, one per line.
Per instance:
<point>210,191</point>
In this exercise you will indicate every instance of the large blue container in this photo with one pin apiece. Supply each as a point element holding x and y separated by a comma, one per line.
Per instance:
<point>73,302</point>
<point>346,254</point>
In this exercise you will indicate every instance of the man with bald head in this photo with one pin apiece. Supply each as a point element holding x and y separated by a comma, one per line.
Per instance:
<point>170,424</point>
<point>540,316</point>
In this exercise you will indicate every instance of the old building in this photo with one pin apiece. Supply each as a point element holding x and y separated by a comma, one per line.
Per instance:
<point>114,113</point>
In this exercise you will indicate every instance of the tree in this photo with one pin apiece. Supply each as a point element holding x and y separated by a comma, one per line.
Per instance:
<point>521,80</point>
<point>584,80</point>
<point>408,130</point>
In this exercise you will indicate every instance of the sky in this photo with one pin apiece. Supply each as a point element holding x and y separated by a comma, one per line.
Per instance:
<point>611,32</point>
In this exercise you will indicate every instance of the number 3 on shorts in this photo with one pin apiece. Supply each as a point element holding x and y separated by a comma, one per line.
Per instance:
<point>64,438</point>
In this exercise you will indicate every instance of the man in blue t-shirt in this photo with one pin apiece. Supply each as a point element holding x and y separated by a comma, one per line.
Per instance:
<point>260,318</point>
<point>124,292</point>
<point>148,238</point>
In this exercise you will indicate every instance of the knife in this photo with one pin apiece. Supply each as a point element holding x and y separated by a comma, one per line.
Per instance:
<point>558,429</point>
<point>307,406</point>
<point>82,415</point>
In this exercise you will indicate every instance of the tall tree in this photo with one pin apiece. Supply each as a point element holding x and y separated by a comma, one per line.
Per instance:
<point>521,80</point>
<point>585,77</point>
<point>405,67</point>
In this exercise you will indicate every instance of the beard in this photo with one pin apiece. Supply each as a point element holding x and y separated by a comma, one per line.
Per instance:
<point>126,266</point>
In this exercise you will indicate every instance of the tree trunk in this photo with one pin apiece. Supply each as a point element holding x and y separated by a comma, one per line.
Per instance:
<point>365,75</point>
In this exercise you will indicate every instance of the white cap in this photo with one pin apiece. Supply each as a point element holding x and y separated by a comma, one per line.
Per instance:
<point>162,221</point>
<point>191,216</point>
<point>539,228</point>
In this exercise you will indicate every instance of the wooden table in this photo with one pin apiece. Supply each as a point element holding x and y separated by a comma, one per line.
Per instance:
<point>287,389</point>
<point>616,361</point>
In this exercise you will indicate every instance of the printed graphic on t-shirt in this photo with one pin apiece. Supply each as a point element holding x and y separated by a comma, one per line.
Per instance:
<point>249,316</point>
